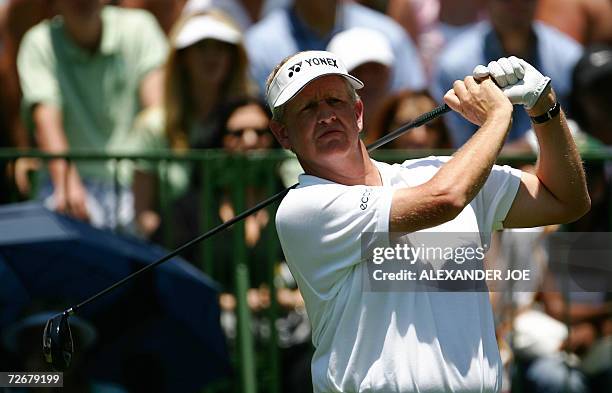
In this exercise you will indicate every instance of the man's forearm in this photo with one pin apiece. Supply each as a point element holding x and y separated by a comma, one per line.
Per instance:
<point>51,139</point>
<point>559,165</point>
<point>471,164</point>
<point>151,89</point>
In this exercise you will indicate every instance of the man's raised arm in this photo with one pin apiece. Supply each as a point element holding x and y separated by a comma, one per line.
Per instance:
<point>557,193</point>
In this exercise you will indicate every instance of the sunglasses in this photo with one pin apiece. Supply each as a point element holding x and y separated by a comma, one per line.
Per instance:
<point>240,131</point>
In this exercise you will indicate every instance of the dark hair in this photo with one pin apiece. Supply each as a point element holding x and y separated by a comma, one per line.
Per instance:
<point>229,108</point>
<point>226,110</point>
<point>592,76</point>
<point>383,119</point>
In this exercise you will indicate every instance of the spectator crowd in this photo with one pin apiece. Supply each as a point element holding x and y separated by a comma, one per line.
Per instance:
<point>142,76</point>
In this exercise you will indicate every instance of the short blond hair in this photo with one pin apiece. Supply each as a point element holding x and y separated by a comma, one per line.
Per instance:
<point>279,111</point>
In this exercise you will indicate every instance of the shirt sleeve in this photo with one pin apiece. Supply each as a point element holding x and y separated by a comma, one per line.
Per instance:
<point>151,45</point>
<point>320,229</point>
<point>36,67</point>
<point>495,198</point>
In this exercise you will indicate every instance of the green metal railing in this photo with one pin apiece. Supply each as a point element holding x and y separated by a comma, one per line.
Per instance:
<point>221,174</point>
<point>230,176</point>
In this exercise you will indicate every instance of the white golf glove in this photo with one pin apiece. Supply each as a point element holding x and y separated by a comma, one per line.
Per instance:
<point>519,80</point>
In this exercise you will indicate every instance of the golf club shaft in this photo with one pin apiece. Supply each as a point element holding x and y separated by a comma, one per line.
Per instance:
<point>419,121</point>
<point>185,246</point>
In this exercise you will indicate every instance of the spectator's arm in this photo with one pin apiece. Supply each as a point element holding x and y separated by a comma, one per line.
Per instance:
<point>151,89</point>
<point>69,193</point>
<point>557,307</point>
<point>412,76</point>
<point>568,16</point>
<point>49,131</point>
<point>3,12</point>
<point>144,187</point>
<point>577,313</point>
<point>147,135</point>
<point>42,104</point>
<point>403,13</point>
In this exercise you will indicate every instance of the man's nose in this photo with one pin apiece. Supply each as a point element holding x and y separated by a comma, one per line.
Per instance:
<point>326,113</point>
<point>249,138</point>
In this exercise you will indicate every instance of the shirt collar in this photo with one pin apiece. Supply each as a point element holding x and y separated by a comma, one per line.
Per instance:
<point>110,37</point>
<point>309,180</point>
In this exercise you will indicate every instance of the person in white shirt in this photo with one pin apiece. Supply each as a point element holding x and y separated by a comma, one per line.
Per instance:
<point>408,341</point>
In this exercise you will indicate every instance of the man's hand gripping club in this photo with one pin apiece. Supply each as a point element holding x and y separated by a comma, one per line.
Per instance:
<point>519,80</point>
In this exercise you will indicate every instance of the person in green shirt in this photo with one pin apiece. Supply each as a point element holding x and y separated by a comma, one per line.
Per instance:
<point>85,75</point>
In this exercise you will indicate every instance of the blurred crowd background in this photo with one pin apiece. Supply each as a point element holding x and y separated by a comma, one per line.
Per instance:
<point>179,76</point>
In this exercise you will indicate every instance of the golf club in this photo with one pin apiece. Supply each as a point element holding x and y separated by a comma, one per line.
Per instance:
<point>58,346</point>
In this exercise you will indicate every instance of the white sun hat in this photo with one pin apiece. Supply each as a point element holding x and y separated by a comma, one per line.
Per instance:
<point>302,69</point>
<point>359,45</point>
<point>202,27</point>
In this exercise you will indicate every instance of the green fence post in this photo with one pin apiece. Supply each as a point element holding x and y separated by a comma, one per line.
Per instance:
<point>271,260</point>
<point>117,194</point>
<point>244,336</point>
<point>206,213</point>
<point>164,204</point>
<point>13,192</point>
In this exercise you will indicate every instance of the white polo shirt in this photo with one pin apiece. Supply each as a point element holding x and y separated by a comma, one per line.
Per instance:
<point>389,341</point>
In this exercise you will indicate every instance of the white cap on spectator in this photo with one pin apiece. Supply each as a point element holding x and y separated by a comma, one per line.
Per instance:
<point>302,69</point>
<point>359,45</point>
<point>202,27</point>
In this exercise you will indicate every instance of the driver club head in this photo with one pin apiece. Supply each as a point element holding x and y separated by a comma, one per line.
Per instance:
<point>57,342</point>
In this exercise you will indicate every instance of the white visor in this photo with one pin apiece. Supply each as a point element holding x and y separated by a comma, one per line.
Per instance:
<point>302,69</point>
<point>202,27</point>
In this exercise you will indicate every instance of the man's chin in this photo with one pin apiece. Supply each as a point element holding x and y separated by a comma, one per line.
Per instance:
<point>335,147</point>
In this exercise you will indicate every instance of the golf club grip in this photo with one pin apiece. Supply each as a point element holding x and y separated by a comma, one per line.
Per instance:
<point>419,121</point>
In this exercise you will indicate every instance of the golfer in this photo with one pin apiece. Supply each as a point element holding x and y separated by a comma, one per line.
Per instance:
<point>408,341</point>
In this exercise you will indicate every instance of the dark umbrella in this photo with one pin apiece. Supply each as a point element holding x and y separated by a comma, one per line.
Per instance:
<point>163,326</point>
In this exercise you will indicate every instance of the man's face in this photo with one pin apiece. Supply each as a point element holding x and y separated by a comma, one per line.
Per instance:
<point>247,129</point>
<point>79,9</point>
<point>318,6</point>
<point>208,62</point>
<point>376,79</point>
<point>321,123</point>
<point>509,15</point>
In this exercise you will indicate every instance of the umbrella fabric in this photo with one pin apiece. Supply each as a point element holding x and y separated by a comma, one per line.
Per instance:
<point>164,323</point>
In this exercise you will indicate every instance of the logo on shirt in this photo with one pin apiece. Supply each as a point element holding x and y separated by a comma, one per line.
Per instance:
<point>295,68</point>
<point>365,198</point>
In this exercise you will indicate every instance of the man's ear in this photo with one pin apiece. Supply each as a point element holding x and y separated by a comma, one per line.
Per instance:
<point>359,113</point>
<point>280,133</point>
